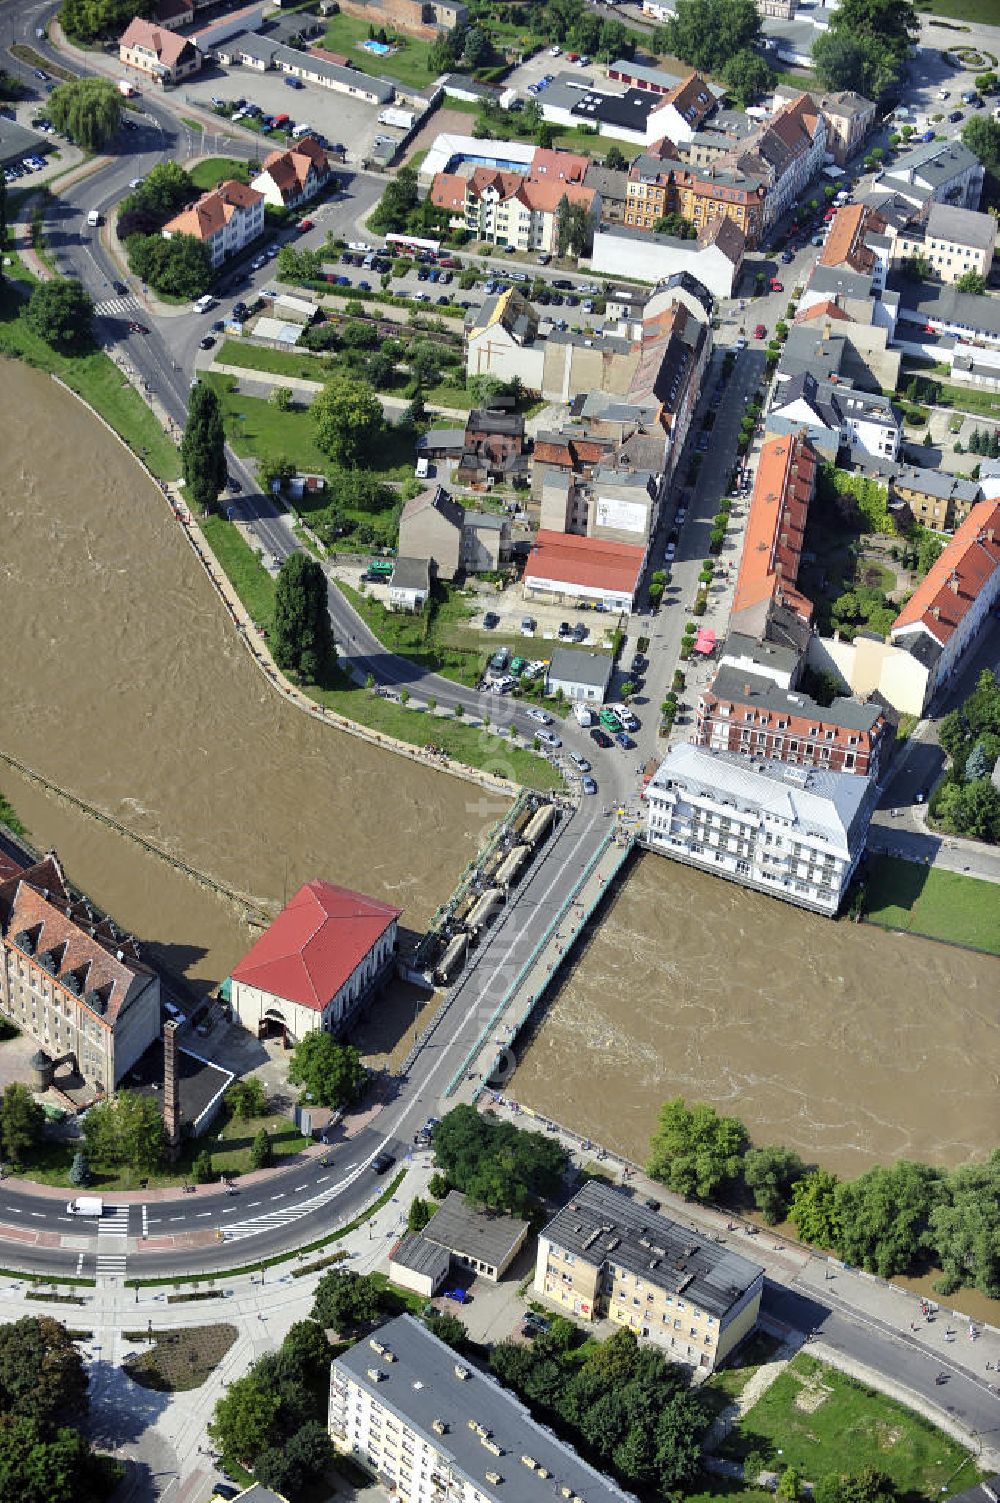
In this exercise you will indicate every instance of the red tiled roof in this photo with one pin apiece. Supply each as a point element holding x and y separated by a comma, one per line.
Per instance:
<point>448,191</point>
<point>825,309</point>
<point>558,166</point>
<point>315,944</point>
<point>214,210</point>
<point>167,45</point>
<point>289,170</point>
<point>775,526</point>
<point>90,956</point>
<point>544,197</point>
<point>949,589</point>
<point>590,562</point>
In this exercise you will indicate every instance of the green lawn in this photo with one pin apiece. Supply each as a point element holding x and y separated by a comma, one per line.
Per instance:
<point>213,169</point>
<point>982,403</point>
<point>254,357</point>
<point>938,904</point>
<point>98,380</point>
<point>823,1421</point>
<point>985,12</point>
<point>469,744</point>
<point>230,1149</point>
<point>240,563</point>
<point>568,137</point>
<point>409,64</point>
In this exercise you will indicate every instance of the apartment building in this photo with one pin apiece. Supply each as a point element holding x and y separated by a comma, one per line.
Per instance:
<point>864,422</point>
<point>453,540</point>
<point>951,605</point>
<point>72,979</point>
<point>786,155</point>
<point>944,172</point>
<point>850,119</point>
<point>432,1429</point>
<point>936,498</point>
<point>658,186</point>
<point>511,208</point>
<point>783,490</point>
<point>291,178</point>
<point>158,53</point>
<point>606,1256</point>
<point>748,713</point>
<point>324,956</point>
<point>224,220</point>
<point>796,833</point>
<point>953,240</point>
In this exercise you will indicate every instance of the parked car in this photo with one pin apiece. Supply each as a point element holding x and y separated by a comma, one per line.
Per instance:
<point>550,738</point>
<point>600,737</point>
<point>382,1162</point>
<point>776,286</point>
<point>580,763</point>
<point>588,785</point>
<point>625,742</point>
<point>207,342</point>
<point>760,332</point>
<point>490,621</point>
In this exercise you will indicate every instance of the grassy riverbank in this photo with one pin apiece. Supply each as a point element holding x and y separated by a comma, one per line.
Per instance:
<point>941,905</point>
<point>472,745</point>
<point>95,378</point>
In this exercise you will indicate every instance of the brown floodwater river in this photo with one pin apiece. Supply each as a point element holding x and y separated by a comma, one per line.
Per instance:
<point>849,1044</point>
<point>123,682</point>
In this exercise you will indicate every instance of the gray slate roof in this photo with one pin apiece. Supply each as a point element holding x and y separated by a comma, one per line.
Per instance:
<point>965,309</point>
<point>487,1235</point>
<point>763,693</point>
<point>410,574</point>
<point>574,667</point>
<point>935,483</point>
<point>421,1256</point>
<point>423,1384</point>
<point>664,1253</point>
<point>962,226</point>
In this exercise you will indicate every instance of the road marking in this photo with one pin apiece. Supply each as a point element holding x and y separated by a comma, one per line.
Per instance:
<point>79,1264</point>
<point>176,1218</point>
<point>273,1197</point>
<point>36,1213</point>
<point>16,1210</point>
<point>254,1202</point>
<point>145,1221</point>
<point>202,1213</point>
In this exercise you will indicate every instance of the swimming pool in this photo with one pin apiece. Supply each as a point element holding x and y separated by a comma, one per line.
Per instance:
<point>379,48</point>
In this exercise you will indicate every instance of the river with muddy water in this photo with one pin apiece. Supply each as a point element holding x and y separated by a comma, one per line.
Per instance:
<point>124,682</point>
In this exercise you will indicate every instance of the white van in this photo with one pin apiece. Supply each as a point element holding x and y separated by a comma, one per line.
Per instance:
<point>301,130</point>
<point>582,715</point>
<point>93,218</point>
<point>423,468</point>
<point>86,1205</point>
<point>204,303</point>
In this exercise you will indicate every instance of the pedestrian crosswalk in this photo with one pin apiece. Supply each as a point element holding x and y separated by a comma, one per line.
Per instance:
<point>112,1244</point>
<point>272,1220</point>
<point>118,307</point>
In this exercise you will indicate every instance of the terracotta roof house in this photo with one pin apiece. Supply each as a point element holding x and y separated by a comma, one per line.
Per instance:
<point>772,548</point>
<point>225,220</point>
<point>952,604</point>
<point>157,52</point>
<point>290,178</point>
<point>72,979</point>
<point>323,958</point>
<point>563,567</point>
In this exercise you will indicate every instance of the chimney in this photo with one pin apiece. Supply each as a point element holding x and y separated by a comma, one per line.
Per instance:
<point>171,1088</point>
<point>953,581</point>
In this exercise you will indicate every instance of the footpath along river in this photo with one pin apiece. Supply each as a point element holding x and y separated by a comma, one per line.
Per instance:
<point>124,682</point>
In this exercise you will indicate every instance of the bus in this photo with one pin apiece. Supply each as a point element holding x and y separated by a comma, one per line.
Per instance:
<point>380,568</point>
<point>413,243</point>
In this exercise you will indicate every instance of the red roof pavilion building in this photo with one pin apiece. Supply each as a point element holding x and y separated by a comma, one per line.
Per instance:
<point>326,954</point>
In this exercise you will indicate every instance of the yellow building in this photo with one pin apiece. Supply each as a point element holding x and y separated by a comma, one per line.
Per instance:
<point>606,1256</point>
<point>935,498</point>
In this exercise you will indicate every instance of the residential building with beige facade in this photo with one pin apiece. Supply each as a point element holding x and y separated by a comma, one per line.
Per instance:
<point>605,1256</point>
<point>160,54</point>
<point>225,220</point>
<point>952,240</point>
<point>936,498</point>
<point>850,119</point>
<point>72,979</point>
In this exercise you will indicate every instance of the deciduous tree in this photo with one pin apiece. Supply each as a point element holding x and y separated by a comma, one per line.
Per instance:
<point>347,418</point>
<point>770,1174</point>
<point>345,1301</point>
<point>59,312</point>
<point>126,1129</point>
<point>694,1151</point>
<point>21,1121</point>
<point>301,633</point>
<point>88,110</point>
<point>42,1377</point>
<point>244,1423</point>
<point>203,448</point>
<point>331,1072</point>
<point>813,1211</point>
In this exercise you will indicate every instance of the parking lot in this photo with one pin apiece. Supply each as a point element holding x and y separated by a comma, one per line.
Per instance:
<point>338,117</point>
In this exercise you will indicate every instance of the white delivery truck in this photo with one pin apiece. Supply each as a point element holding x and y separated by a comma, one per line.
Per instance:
<point>401,119</point>
<point>94,218</point>
<point>86,1205</point>
<point>583,715</point>
<point>127,88</point>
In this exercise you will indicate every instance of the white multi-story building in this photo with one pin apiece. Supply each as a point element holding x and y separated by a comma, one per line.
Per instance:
<point>795,832</point>
<point>225,220</point>
<point>433,1429</point>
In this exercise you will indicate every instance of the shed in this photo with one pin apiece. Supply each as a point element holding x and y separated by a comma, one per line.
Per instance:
<point>580,675</point>
<point>410,584</point>
<point>485,1241</point>
<point>419,1265</point>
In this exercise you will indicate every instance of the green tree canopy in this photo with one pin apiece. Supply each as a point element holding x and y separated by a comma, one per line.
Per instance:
<point>972,282</point>
<point>893,23</point>
<point>616,160</point>
<point>127,1128</point>
<point>694,1151</point>
<point>747,76</point>
<point>813,1210</point>
<point>21,1121</point>
<point>36,1467</point>
<point>398,202</point>
<point>770,1174</point>
<point>60,312</point>
<point>42,1377</point>
<point>345,1301</point>
<point>494,1163</point>
<point>965,1227</point>
<point>203,448</point>
<point>843,60</point>
<point>87,20</point>
<point>301,632</point>
<point>245,1419</point>
<point>709,33</point>
<point>88,110</point>
<point>348,421</point>
<point>178,267</point>
<point>331,1072</point>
